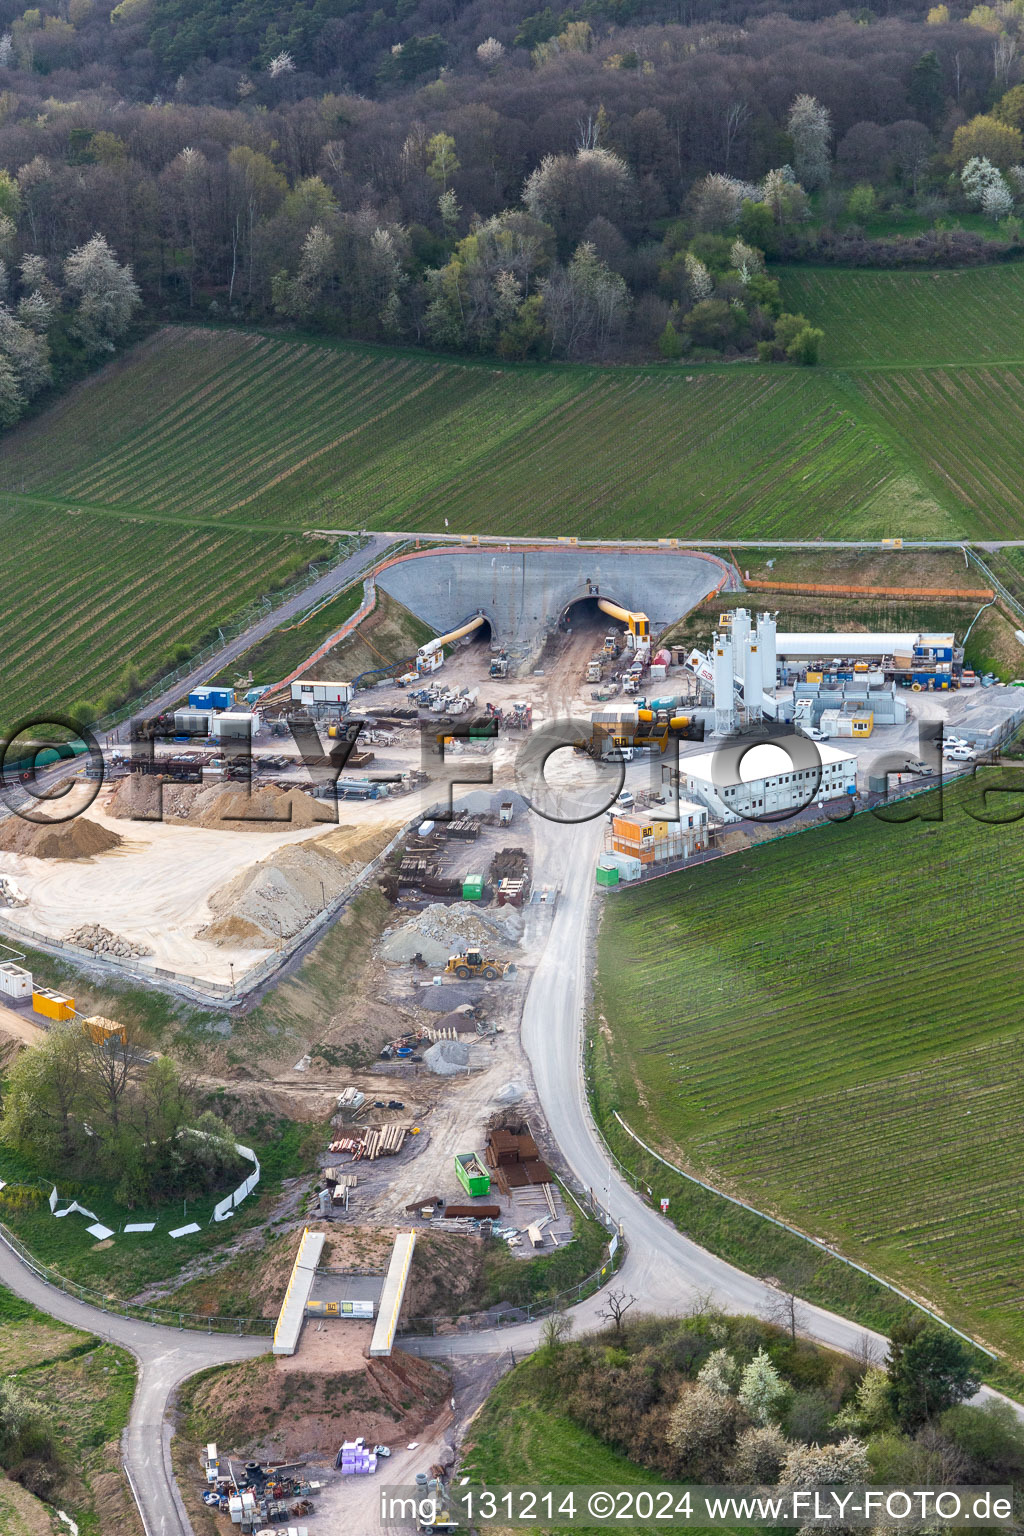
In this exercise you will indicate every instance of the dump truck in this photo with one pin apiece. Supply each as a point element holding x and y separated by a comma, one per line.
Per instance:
<point>473,962</point>
<point>594,670</point>
<point>505,813</point>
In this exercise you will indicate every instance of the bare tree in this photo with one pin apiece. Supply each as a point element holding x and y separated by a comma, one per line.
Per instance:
<point>616,1305</point>
<point>734,119</point>
<point>782,1308</point>
<point>112,1062</point>
<point>556,1330</point>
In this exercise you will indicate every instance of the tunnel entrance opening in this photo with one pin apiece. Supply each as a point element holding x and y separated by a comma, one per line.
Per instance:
<point>583,615</point>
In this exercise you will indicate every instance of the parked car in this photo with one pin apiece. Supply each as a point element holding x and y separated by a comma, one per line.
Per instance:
<point>960,754</point>
<point>813,734</point>
<point>916,766</point>
<point>953,741</point>
<point>625,801</point>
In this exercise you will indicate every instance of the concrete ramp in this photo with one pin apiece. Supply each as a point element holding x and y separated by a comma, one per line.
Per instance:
<point>293,1308</point>
<point>393,1294</point>
<point>524,592</point>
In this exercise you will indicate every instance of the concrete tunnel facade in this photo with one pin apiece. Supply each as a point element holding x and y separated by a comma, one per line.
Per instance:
<point>523,593</point>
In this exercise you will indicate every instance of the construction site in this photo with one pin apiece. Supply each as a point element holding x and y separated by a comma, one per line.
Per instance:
<point>238,835</point>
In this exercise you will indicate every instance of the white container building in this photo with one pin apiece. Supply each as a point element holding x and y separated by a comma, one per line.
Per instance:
<point>715,779</point>
<point>307,691</point>
<point>235,724</point>
<point>15,981</point>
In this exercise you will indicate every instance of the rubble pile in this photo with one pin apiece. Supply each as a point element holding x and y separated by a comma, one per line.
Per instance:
<point>439,931</point>
<point>102,942</point>
<point>10,895</point>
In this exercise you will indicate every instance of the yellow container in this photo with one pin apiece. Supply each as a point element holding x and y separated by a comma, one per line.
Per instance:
<point>814,677</point>
<point>52,1005</point>
<point>100,1029</point>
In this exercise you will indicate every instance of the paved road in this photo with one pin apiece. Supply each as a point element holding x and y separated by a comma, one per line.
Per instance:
<point>332,581</point>
<point>166,1357</point>
<point>721,543</point>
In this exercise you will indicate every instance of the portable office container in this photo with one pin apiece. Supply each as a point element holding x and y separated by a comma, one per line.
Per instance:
<point>211,698</point>
<point>192,722</point>
<point>234,724</point>
<point>15,981</point>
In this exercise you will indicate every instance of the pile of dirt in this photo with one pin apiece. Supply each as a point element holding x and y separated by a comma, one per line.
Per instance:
<point>223,807</point>
<point>102,942</point>
<point>263,906</point>
<point>439,931</point>
<point>79,838</point>
<point>276,1409</point>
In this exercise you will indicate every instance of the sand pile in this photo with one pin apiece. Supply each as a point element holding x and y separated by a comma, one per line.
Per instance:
<point>439,931</point>
<point>261,907</point>
<point>223,807</point>
<point>79,838</point>
<point>102,942</point>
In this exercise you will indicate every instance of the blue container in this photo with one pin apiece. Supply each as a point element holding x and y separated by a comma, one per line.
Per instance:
<point>211,698</point>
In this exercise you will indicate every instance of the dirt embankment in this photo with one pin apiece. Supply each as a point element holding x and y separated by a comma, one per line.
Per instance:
<point>264,906</point>
<point>260,1409</point>
<point>80,838</point>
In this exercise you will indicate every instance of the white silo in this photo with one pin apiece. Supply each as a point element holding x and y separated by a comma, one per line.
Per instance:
<point>725,685</point>
<point>740,631</point>
<point>769,660</point>
<point>752,678</point>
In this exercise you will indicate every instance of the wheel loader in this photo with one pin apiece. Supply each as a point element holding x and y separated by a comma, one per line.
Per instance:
<point>474,963</point>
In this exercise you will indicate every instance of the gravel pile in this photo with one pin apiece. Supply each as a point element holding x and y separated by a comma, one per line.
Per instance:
<point>441,999</point>
<point>447,1057</point>
<point>101,941</point>
<point>439,931</point>
<point>509,1093</point>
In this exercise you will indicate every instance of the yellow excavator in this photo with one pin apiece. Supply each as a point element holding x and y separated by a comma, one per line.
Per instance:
<point>473,962</point>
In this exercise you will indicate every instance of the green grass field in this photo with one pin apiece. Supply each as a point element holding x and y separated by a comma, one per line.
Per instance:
<point>285,434</point>
<point>870,318</point>
<point>828,1025</point>
<point>95,595</point>
<point>517,1440</point>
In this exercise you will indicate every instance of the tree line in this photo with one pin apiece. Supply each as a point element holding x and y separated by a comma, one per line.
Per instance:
<point>87,1111</point>
<point>713,1399</point>
<point>608,184</point>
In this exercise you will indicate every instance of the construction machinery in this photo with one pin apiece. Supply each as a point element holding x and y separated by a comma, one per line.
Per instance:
<point>639,625</point>
<point>499,666</point>
<point>473,962</point>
